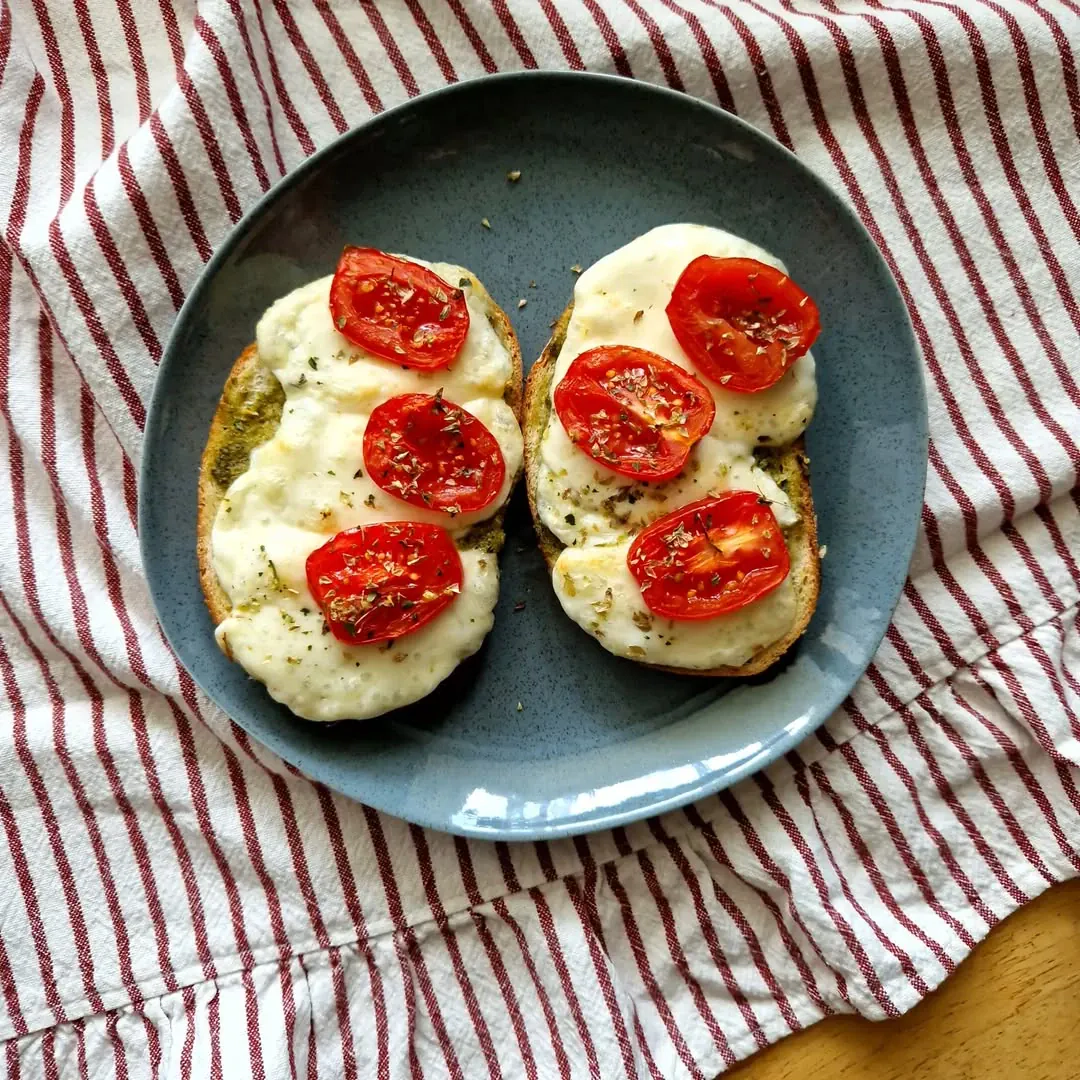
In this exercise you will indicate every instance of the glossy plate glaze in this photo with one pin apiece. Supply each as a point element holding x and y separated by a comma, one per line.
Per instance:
<point>596,740</point>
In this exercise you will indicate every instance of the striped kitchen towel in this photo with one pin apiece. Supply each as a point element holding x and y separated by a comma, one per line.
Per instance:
<point>178,903</point>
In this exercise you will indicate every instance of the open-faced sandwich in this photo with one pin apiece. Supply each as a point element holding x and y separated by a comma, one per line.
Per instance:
<point>664,456</point>
<point>353,485</point>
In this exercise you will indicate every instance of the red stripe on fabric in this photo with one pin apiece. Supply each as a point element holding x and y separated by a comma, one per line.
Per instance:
<point>897,836</point>
<point>356,914</point>
<point>438,912</point>
<point>498,966</point>
<point>101,78</point>
<point>611,39</point>
<point>188,1046</point>
<point>8,987</point>
<point>120,272</point>
<point>205,128</point>
<point>119,1053</point>
<point>149,228</point>
<point>708,932</point>
<point>877,879</point>
<point>415,955</point>
<point>708,54</point>
<point>172,33</point>
<point>299,129</point>
<point>438,53</point>
<point>14,1067</point>
<point>312,1046</point>
<point>241,25</point>
<point>646,1053</point>
<point>180,187</point>
<point>48,1055</point>
<point>563,35</point>
<point>660,46</point>
<point>5,39</point>
<point>766,89</point>
<point>311,66</point>
<point>78,790</point>
<point>513,32</point>
<point>386,39</point>
<point>80,1050</point>
<point>341,999</point>
<point>499,906</point>
<point>352,61</point>
<point>254,1034</point>
<point>648,978</point>
<point>138,61</point>
<point>847,934</point>
<point>232,92</point>
<point>754,843</point>
<point>409,994</point>
<point>551,936</point>
<point>213,1022</point>
<point>475,40</point>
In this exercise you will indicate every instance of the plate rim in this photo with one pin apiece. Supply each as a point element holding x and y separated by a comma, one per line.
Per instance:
<point>711,783</point>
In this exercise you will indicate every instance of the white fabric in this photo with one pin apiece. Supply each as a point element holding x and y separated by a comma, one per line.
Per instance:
<point>180,903</point>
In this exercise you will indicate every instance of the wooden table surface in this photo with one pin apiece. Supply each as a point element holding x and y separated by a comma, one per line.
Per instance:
<point>1010,1011</point>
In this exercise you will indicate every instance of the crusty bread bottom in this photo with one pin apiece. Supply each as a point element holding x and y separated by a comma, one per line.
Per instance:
<point>790,467</point>
<point>248,415</point>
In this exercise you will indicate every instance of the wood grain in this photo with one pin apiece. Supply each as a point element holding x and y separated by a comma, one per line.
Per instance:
<point>1011,1011</point>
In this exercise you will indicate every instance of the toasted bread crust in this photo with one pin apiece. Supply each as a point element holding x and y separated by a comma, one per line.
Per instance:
<point>250,384</point>
<point>801,538</point>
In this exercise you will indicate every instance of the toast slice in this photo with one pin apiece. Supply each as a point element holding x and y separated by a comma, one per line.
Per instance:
<point>788,466</point>
<point>248,415</point>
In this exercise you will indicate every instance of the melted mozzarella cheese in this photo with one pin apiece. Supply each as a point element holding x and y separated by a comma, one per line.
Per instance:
<point>597,591</point>
<point>621,300</point>
<point>307,483</point>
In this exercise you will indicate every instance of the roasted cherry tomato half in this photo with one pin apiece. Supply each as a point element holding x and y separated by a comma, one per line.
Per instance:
<point>709,558</point>
<point>383,581</point>
<point>426,451</point>
<point>742,322</point>
<point>633,411</point>
<point>398,310</point>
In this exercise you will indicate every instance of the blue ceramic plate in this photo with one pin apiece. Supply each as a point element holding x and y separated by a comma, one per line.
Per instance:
<point>599,740</point>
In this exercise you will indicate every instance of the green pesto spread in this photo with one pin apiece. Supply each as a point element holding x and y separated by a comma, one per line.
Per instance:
<point>253,405</point>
